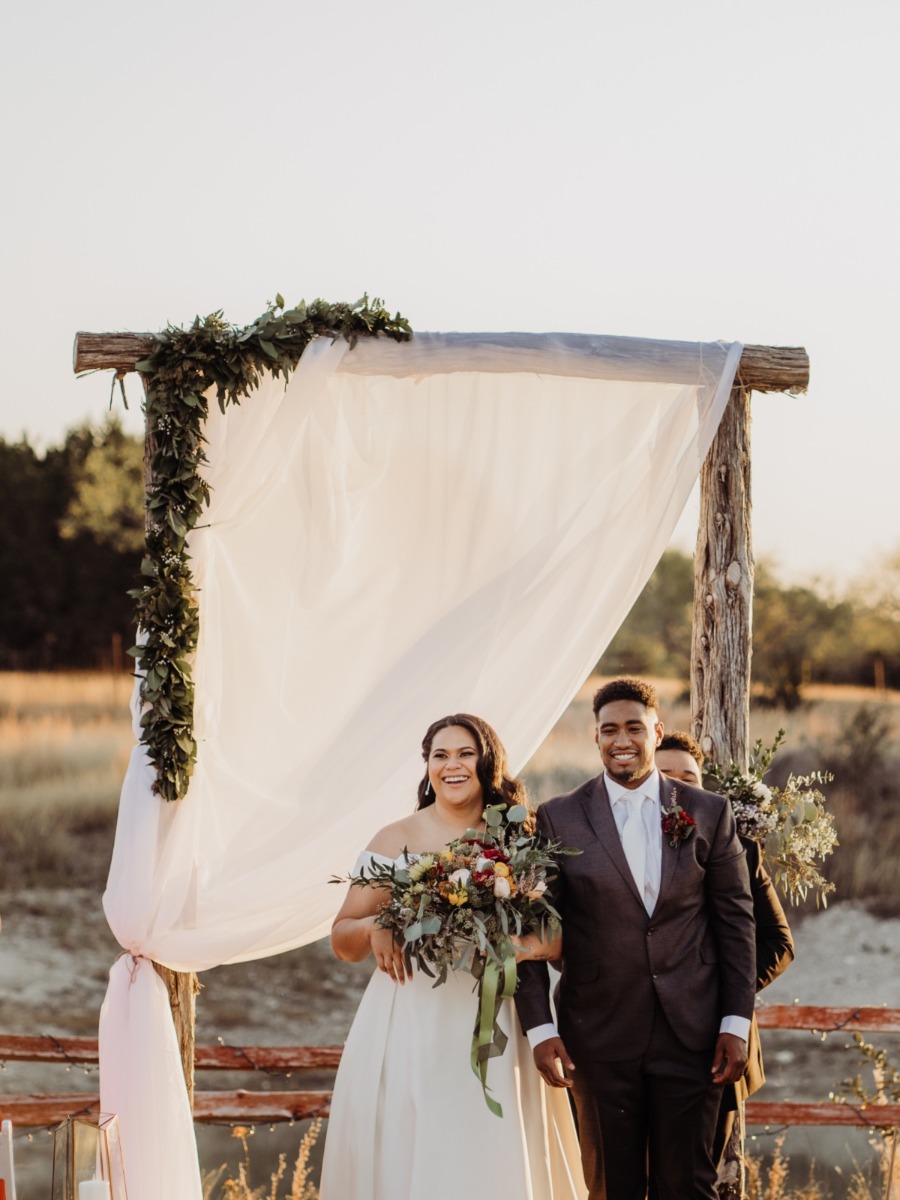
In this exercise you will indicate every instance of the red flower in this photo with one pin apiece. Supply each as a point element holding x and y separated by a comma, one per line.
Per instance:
<point>677,824</point>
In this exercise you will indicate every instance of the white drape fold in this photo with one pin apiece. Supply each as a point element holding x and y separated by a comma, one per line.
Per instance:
<point>458,523</point>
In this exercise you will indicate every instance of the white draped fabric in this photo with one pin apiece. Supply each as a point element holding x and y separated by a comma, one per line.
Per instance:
<point>402,531</point>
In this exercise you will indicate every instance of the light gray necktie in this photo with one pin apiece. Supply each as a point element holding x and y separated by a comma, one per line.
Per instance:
<point>634,841</point>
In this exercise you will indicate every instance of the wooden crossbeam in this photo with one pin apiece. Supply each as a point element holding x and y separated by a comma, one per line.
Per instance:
<point>881,1116</point>
<point>828,1020</point>
<point>83,1051</point>
<point>761,369</point>
<point>30,1112</point>
<point>27,1111</point>
<point>46,1048</point>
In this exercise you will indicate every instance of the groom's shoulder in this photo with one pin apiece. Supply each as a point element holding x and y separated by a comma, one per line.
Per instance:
<point>558,805</point>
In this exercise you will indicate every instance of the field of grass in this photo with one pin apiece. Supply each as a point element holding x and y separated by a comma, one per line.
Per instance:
<point>65,741</point>
<point>64,746</point>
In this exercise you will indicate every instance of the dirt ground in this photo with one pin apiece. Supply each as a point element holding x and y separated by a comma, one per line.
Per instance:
<point>56,950</point>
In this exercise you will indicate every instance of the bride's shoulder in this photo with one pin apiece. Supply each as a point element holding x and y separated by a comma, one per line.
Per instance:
<point>393,839</point>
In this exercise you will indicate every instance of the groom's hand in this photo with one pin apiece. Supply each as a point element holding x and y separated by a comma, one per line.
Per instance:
<point>729,1059</point>
<point>549,1056</point>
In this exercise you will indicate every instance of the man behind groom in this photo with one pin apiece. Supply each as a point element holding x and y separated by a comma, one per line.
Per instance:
<point>658,966</point>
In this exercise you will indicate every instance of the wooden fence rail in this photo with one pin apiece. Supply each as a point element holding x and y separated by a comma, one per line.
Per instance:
<point>264,1107</point>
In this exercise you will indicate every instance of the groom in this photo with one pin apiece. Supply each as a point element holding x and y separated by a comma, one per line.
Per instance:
<point>658,964</point>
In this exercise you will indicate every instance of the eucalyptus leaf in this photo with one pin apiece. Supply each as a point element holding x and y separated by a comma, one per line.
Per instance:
<point>181,367</point>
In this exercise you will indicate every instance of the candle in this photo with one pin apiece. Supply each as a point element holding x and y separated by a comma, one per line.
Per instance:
<point>94,1189</point>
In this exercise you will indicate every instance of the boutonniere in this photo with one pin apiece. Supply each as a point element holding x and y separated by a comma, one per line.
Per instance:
<point>677,822</point>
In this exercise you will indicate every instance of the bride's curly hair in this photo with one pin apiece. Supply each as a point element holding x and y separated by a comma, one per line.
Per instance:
<point>498,786</point>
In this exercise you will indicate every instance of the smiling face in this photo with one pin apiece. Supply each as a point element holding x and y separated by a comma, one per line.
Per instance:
<point>627,736</point>
<point>678,764</point>
<point>453,767</point>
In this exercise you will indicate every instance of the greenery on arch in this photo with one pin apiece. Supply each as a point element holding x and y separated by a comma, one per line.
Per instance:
<point>183,368</point>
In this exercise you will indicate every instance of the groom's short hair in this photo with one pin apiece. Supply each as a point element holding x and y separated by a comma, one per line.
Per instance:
<point>626,689</point>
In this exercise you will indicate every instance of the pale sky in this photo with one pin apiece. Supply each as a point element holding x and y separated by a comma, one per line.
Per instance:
<point>700,170</point>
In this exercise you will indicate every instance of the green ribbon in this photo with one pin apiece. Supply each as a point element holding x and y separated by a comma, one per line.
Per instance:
<point>497,983</point>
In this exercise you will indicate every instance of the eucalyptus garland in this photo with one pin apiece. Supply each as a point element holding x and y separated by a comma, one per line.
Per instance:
<point>184,365</point>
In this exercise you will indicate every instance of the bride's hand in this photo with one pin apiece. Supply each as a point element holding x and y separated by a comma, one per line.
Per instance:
<point>388,955</point>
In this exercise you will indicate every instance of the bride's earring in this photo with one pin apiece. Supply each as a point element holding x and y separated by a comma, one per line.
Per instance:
<point>428,788</point>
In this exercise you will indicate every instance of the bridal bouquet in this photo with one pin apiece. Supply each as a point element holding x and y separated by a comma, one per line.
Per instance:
<point>794,830</point>
<point>459,909</point>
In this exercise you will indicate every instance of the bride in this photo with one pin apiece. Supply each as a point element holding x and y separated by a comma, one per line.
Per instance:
<point>408,1118</point>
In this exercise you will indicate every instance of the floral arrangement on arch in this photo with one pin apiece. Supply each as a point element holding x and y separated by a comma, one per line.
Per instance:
<point>458,909</point>
<point>795,831</point>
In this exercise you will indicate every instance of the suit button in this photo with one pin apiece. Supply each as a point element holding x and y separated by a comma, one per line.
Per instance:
<point>655,975</point>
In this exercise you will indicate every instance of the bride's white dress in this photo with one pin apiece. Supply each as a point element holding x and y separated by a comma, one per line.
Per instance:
<point>408,1118</point>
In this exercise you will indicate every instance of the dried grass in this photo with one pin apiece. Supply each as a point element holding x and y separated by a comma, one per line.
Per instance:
<point>65,741</point>
<point>64,747</point>
<point>221,1184</point>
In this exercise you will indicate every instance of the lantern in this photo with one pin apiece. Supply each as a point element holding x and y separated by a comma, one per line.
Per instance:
<point>87,1159</point>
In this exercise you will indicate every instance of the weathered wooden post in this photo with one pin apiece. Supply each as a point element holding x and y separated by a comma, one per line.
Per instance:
<point>723,591</point>
<point>721,642</point>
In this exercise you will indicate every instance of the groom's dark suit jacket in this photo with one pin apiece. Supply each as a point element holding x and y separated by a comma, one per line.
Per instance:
<point>695,953</point>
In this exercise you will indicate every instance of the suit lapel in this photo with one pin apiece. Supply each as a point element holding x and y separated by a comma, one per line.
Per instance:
<point>598,810</point>
<point>669,793</point>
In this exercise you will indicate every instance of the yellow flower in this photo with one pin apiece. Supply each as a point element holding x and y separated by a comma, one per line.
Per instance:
<point>500,868</point>
<point>421,867</point>
<point>446,856</point>
<point>460,897</point>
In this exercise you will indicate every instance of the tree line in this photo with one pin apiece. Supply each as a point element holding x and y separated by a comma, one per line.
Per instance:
<point>71,534</point>
<point>801,634</point>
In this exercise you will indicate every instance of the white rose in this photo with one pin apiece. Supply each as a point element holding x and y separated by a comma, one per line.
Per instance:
<point>460,877</point>
<point>761,791</point>
<point>484,864</point>
<point>502,888</point>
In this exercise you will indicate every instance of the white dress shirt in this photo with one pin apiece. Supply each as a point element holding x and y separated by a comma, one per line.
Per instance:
<point>651,814</point>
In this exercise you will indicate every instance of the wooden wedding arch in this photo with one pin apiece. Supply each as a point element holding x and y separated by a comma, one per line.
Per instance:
<point>723,574</point>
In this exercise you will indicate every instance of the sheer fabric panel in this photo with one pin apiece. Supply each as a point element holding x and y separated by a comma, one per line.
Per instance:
<point>400,532</point>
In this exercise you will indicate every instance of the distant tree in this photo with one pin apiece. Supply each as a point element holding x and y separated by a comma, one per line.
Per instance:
<point>655,638</point>
<point>797,637</point>
<point>32,491</point>
<point>108,492</point>
<point>877,634</point>
<point>63,600</point>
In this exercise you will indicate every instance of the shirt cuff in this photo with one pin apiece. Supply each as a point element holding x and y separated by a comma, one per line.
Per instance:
<point>542,1033</point>
<point>739,1026</point>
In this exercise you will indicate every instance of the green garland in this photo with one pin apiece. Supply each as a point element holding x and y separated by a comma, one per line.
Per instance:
<point>184,365</point>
